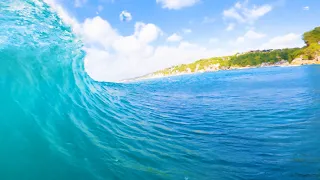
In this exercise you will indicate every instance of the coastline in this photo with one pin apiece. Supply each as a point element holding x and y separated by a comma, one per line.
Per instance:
<point>285,64</point>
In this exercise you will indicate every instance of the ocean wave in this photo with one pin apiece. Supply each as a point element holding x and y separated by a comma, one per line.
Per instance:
<point>58,123</point>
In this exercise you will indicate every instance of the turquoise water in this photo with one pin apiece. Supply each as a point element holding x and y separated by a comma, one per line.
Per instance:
<point>57,123</point>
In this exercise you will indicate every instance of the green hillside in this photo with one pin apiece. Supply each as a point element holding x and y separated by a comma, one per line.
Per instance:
<point>253,58</point>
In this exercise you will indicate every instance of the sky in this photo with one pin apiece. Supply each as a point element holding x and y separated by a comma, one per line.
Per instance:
<point>129,38</point>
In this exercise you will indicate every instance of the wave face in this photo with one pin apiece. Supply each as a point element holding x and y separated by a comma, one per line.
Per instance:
<point>57,123</point>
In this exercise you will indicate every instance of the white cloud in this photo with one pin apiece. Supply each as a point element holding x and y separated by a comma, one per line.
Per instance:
<point>230,27</point>
<point>244,14</point>
<point>125,16</point>
<point>111,56</point>
<point>208,20</point>
<point>80,3</point>
<point>174,38</point>
<point>147,32</point>
<point>186,31</point>
<point>306,8</point>
<point>287,41</point>
<point>98,32</point>
<point>176,4</point>
<point>250,35</point>
<point>185,52</point>
<point>119,56</point>
<point>254,35</point>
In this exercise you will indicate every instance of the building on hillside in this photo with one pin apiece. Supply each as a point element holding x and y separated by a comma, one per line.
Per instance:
<point>257,51</point>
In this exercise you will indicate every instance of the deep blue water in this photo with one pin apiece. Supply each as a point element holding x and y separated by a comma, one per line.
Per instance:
<point>57,123</point>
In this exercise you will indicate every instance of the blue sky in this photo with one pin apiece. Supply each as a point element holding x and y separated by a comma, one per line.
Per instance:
<point>140,36</point>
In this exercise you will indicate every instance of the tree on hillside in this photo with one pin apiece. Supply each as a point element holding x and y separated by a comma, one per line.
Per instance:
<point>312,36</point>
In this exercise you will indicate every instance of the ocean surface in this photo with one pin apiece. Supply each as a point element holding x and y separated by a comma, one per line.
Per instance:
<point>56,123</point>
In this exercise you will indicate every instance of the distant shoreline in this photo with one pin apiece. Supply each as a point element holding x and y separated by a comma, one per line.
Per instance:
<point>153,76</point>
<point>307,55</point>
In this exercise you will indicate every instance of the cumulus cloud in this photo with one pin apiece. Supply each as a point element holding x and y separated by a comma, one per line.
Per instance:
<point>254,35</point>
<point>242,13</point>
<point>290,40</point>
<point>146,32</point>
<point>98,32</point>
<point>184,52</point>
<point>176,4</point>
<point>120,57</point>
<point>125,16</point>
<point>174,38</point>
<point>250,35</point>
<point>111,56</point>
